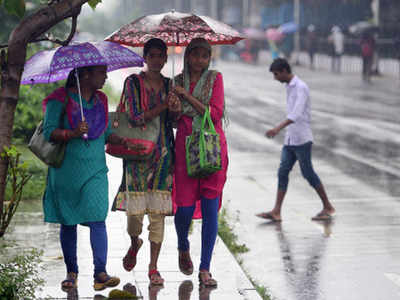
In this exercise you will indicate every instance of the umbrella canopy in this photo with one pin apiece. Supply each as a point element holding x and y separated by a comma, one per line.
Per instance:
<point>53,65</point>
<point>175,29</point>
<point>254,33</point>
<point>288,28</point>
<point>362,27</point>
<point>274,34</point>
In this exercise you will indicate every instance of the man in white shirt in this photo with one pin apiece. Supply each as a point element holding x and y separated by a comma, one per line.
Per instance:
<point>298,141</point>
<point>337,40</point>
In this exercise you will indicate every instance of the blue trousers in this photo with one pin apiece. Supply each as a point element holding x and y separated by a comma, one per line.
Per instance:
<point>98,241</point>
<point>289,156</point>
<point>209,229</point>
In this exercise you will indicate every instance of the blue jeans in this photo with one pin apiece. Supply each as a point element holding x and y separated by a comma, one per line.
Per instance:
<point>289,156</point>
<point>98,241</point>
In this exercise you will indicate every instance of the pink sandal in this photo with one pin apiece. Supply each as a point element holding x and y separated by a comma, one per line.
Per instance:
<point>155,277</point>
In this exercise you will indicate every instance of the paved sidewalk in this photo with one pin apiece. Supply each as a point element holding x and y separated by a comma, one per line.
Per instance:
<point>232,282</point>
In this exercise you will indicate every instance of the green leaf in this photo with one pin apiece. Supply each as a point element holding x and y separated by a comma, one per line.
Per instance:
<point>93,3</point>
<point>15,7</point>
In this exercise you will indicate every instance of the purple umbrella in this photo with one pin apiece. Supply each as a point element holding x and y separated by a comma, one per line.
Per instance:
<point>288,28</point>
<point>53,65</point>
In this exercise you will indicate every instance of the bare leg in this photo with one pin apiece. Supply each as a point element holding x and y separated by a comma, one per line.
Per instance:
<point>154,254</point>
<point>275,213</point>
<point>327,206</point>
<point>129,261</point>
<point>328,210</point>
<point>134,242</point>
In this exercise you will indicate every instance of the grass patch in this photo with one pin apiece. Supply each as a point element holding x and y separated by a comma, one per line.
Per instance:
<point>230,239</point>
<point>226,234</point>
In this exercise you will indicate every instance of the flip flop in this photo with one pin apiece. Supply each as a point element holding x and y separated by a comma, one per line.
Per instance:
<point>322,217</point>
<point>131,256</point>
<point>70,282</point>
<point>268,216</point>
<point>103,280</point>
<point>155,277</point>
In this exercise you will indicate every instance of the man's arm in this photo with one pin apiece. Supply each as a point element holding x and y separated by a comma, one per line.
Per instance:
<point>274,131</point>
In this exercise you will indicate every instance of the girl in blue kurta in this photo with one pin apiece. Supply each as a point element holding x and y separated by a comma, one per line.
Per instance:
<point>77,192</point>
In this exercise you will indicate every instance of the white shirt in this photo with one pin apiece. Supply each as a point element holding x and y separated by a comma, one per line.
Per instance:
<point>337,38</point>
<point>298,111</point>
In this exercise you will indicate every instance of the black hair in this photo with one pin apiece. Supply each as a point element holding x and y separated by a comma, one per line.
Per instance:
<point>71,80</point>
<point>154,43</point>
<point>280,64</point>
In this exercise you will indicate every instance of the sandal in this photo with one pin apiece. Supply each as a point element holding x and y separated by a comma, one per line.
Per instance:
<point>185,263</point>
<point>103,280</point>
<point>70,282</point>
<point>129,261</point>
<point>155,277</point>
<point>185,289</point>
<point>210,282</point>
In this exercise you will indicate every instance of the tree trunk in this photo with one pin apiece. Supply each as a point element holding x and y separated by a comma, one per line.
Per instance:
<point>27,30</point>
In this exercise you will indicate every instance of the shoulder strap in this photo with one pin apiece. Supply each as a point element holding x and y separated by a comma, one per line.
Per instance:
<point>135,80</point>
<point>144,101</point>
<point>63,112</point>
<point>166,84</point>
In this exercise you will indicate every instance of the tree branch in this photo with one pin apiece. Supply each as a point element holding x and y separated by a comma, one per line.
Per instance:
<point>56,41</point>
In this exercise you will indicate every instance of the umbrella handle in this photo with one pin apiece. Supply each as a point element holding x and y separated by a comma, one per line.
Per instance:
<point>173,66</point>
<point>84,136</point>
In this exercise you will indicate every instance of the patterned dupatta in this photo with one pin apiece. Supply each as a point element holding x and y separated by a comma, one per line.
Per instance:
<point>203,88</point>
<point>96,117</point>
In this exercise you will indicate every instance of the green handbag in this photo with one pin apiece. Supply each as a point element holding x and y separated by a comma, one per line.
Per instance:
<point>203,148</point>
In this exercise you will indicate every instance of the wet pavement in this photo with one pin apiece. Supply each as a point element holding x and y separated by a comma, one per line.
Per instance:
<point>355,256</point>
<point>29,230</point>
<point>356,141</point>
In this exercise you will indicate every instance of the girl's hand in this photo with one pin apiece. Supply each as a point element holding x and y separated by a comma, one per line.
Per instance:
<point>81,129</point>
<point>174,104</point>
<point>181,91</point>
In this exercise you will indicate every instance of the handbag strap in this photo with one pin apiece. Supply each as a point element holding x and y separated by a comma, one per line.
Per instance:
<point>207,119</point>
<point>63,112</point>
<point>144,98</point>
<point>126,183</point>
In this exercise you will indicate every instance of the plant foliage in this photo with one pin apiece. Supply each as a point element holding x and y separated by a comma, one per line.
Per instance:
<point>17,177</point>
<point>19,277</point>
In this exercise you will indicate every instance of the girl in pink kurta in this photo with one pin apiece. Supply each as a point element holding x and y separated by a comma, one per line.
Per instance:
<point>198,88</point>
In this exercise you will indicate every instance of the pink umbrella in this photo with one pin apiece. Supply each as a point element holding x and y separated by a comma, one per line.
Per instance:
<point>274,34</point>
<point>254,33</point>
<point>175,29</point>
